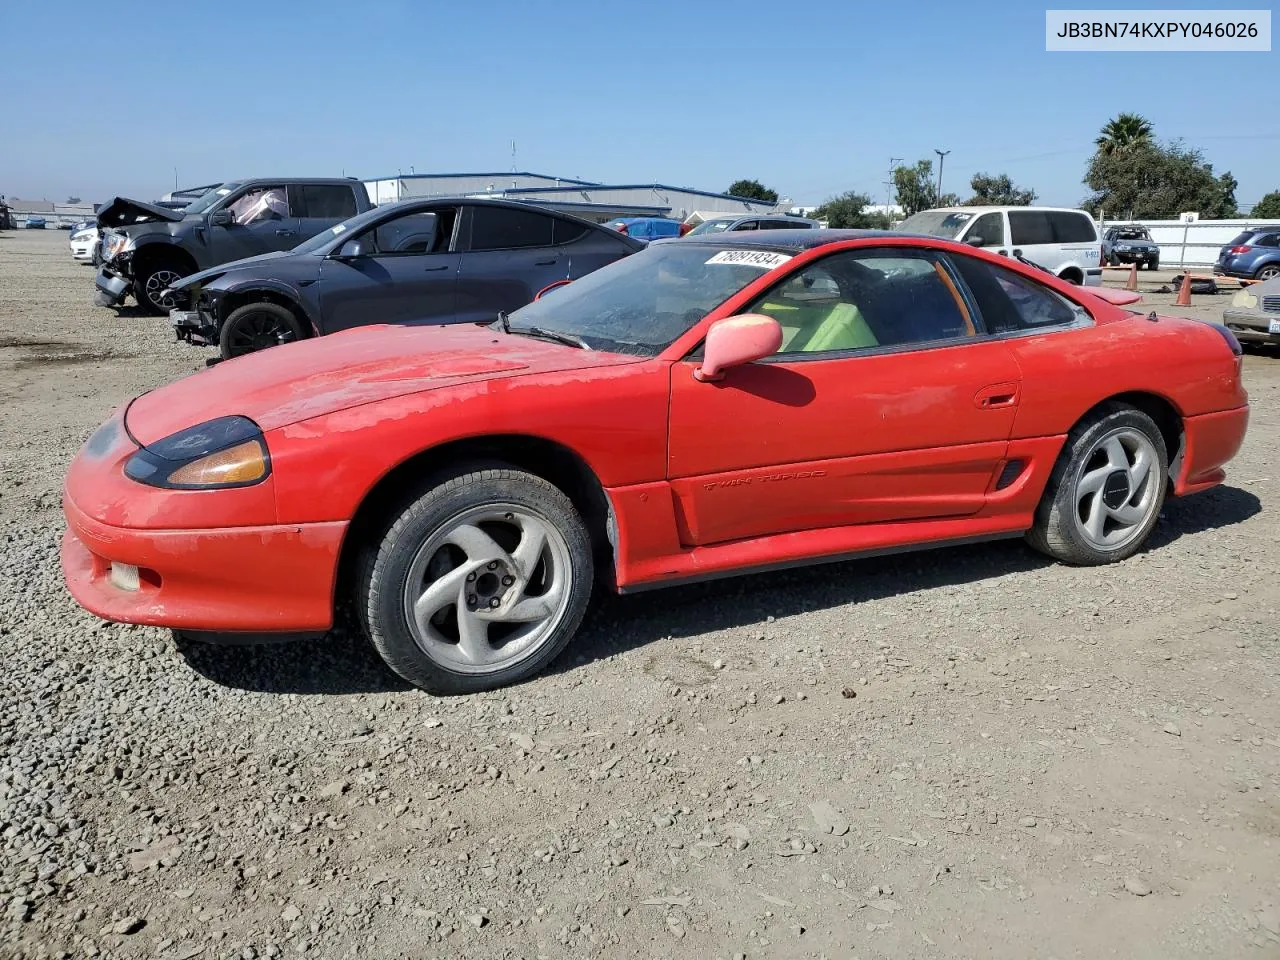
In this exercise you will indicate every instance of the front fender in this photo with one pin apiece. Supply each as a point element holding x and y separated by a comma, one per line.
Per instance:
<point>229,289</point>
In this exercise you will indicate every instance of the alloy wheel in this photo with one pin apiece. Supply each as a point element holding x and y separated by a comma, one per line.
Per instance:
<point>1116,488</point>
<point>258,331</point>
<point>156,284</point>
<point>488,588</point>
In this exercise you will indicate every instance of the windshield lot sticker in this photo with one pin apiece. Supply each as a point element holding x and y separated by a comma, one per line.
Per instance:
<point>761,259</point>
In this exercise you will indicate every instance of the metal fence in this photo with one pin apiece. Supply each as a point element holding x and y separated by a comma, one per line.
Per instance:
<point>1193,244</point>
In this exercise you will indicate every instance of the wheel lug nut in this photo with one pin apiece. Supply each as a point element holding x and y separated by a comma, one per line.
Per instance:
<point>471,600</point>
<point>493,601</point>
<point>493,564</point>
<point>508,581</point>
<point>471,577</point>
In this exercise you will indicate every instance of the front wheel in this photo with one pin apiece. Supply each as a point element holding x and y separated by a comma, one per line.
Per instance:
<point>479,583</point>
<point>257,326</point>
<point>150,284</point>
<point>1105,493</point>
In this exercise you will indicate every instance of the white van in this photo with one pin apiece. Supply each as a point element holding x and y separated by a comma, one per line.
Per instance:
<point>1063,241</point>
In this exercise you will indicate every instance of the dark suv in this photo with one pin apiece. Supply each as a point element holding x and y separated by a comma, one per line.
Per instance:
<point>1130,244</point>
<point>1253,255</point>
<point>440,261</point>
<point>146,247</point>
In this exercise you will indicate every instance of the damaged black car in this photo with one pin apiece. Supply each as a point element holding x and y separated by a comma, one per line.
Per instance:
<point>147,247</point>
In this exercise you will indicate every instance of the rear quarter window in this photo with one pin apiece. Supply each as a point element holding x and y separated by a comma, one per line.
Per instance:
<point>1073,228</point>
<point>1030,227</point>
<point>1012,303</point>
<point>566,231</point>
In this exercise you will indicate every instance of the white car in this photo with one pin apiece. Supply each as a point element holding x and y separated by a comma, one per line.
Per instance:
<point>85,244</point>
<point>1063,241</point>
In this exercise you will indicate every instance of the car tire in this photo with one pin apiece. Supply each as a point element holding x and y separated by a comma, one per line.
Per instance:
<point>1104,495</point>
<point>257,326</point>
<point>1153,264</point>
<point>151,281</point>
<point>511,537</point>
<point>1267,271</point>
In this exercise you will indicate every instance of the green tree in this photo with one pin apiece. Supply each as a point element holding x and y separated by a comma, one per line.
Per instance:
<point>998,190</point>
<point>1126,131</point>
<point>915,187</point>
<point>1268,207</point>
<point>752,190</point>
<point>848,212</point>
<point>1157,182</point>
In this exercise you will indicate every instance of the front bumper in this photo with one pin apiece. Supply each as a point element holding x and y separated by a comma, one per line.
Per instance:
<point>1252,326</point>
<point>112,287</point>
<point>197,560</point>
<point>1135,256</point>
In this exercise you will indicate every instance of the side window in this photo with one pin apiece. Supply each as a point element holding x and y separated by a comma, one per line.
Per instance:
<point>865,299</point>
<point>1072,228</point>
<point>259,205</point>
<point>501,228</point>
<point>1268,240</point>
<point>414,234</point>
<point>1029,227</point>
<point>990,227</point>
<point>747,225</point>
<point>329,201</point>
<point>1011,303</point>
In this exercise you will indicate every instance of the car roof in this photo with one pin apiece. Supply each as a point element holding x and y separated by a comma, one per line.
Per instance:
<point>997,206</point>
<point>795,240</point>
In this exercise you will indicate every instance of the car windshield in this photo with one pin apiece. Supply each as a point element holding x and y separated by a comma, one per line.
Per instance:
<point>642,303</point>
<point>711,226</point>
<point>936,223</point>
<point>1131,233</point>
<point>207,200</point>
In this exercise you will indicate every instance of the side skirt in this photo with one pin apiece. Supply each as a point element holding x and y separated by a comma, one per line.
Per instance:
<point>814,561</point>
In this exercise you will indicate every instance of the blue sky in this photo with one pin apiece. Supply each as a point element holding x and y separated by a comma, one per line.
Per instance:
<point>811,98</point>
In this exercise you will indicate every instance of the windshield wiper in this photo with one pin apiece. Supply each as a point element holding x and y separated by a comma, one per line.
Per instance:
<point>559,336</point>
<point>505,321</point>
<point>1032,263</point>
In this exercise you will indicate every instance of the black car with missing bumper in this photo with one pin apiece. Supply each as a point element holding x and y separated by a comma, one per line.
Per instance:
<point>147,247</point>
<point>416,261</point>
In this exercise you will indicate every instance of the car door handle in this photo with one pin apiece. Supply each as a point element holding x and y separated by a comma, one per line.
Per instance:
<point>1003,253</point>
<point>444,266</point>
<point>546,263</point>
<point>286,233</point>
<point>996,396</point>
<point>1017,253</point>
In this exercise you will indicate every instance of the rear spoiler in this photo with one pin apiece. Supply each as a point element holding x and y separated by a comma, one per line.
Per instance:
<point>1119,297</point>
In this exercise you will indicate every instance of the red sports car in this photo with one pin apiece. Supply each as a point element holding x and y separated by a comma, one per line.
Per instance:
<point>706,407</point>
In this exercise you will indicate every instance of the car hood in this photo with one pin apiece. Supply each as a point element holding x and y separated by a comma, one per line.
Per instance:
<point>123,212</point>
<point>298,381</point>
<point>205,275</point>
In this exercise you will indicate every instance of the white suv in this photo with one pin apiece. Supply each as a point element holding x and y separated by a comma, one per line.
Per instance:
<point>1063,241</point>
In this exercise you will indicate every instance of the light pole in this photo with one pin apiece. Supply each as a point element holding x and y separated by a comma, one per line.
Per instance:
<point>888,184</point>
<point>941,155</point>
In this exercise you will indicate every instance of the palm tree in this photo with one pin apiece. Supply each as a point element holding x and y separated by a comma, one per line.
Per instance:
<point>1125,131</point>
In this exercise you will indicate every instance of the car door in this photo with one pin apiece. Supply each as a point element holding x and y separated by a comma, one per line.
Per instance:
<point>509,254</point>
<point>406,273</point>
<point>262,221</point>
<point>885,403</point>
<point>321,205</point>
<point>990,228</point>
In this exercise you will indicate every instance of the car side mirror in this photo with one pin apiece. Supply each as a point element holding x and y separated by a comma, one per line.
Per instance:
<point>351,250</point>
<point>222,218</point>
<point>733,341</point>
<point>975,241</point>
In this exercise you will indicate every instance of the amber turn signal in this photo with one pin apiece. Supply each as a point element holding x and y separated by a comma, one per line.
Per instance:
<point>243,463</point>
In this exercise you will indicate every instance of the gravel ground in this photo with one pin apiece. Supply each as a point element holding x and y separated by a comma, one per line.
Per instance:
<point>969,752</point>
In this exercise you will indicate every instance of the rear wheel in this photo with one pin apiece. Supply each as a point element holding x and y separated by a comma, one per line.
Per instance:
<point>1268,272</point>
<point>1105,493</point>
<point>150,283</point>
<point>478,583</point>
<point>257,326</point>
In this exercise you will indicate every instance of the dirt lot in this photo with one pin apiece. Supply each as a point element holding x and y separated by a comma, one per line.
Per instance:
<point>964,753</point>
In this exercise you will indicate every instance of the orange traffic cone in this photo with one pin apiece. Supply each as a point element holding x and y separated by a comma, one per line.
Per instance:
<point>1132,282</point>
<point>1184,292</point>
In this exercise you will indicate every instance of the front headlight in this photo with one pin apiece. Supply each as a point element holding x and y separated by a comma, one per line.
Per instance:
<point>112,244</point>
<point>222,453</point>
<point>1244,299</point>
